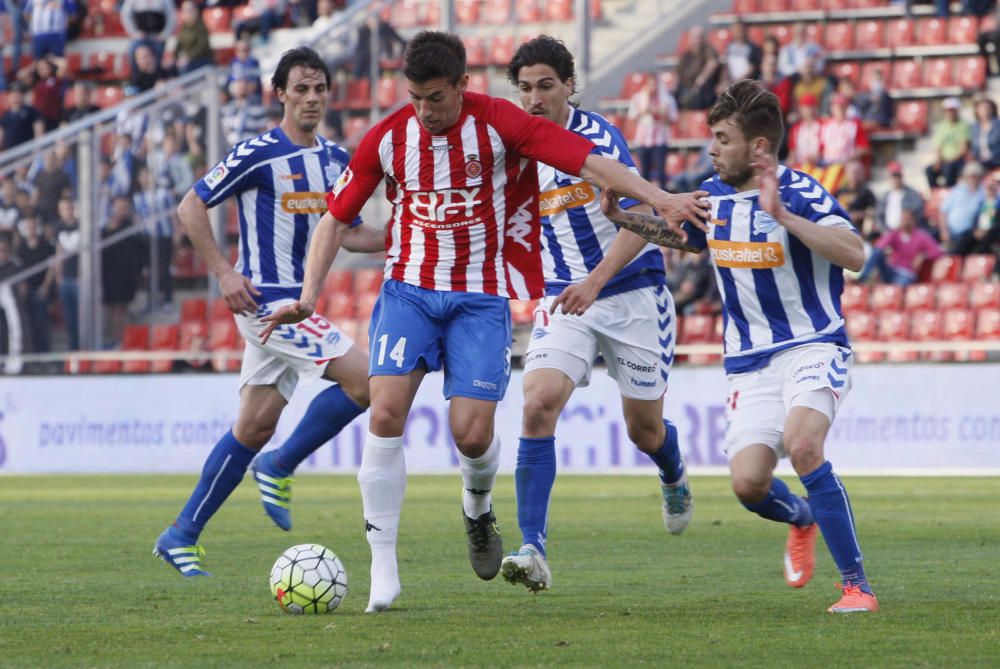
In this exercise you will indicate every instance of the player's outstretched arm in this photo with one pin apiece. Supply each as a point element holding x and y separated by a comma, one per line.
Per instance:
<point>363,239</point>
<point>646,226</point>
<point>323,248</point>
<point>840,246</point>
<point>236,289</point>
<point>693,208</point>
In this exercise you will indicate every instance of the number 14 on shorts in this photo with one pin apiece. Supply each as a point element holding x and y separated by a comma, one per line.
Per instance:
<point>397,354</point>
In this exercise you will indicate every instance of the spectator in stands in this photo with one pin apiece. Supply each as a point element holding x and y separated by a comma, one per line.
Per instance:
<point>9,213</point>
<point>951,144</point>
<point>900,254</point>
<point>265,15</point>
<point>154,206</point>
<point>842,138</point>
<point>11,14</point>
<point>390,44</point>
<point>812,83</point>
<point>168,161</point>
<point>653,111</point>
<point>985,237</point>
<point>51,184</point>
<point>246,67</point>
<point>777,83</point>
<point>960,209</point>
<point>147,72</point>
<point>83,106</point>
<point>804,137</point>
<point>121,262</point>
<point>22,122</point>
<point>34,250</point>
<point>304,12</point>
<point>149,23</point>
<point>242,117</point>
<point>694,287</point>
<point>801,50</point>
<point>697,72</point>
<point>742,58</point>
<point>989,46</point>
<point>874,105</point>
<point>899,197</point>
<point>194,50</point>
<point>47,78</point>
<point>986,134</point>
<point>326,17</point>
<point>10,317</point>
<point>857,198</point>
<point>695,171</point>
<point>68,247</point>
<point>48,22</point>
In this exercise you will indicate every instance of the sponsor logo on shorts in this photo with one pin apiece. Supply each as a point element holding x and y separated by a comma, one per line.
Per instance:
<point>746,255</point>
<point>636,367</point>
<point>539,333</point>
<point>536,356</point>
<point>560,199</point>
<point>485,385</point>
<point>810,377</point>
<point>641,384</point>
<point>805,367</point>
<point>303,203</point>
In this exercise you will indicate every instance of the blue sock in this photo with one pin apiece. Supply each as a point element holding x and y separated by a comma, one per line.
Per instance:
<point>328,413</point>
<point>833,514</point>
<point>534,476</point>
<point>224,469</point>
<point>782,505</point>
<point>668,458</point>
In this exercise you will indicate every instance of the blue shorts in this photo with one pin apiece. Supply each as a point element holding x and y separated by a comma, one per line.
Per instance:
<point>466,333</point>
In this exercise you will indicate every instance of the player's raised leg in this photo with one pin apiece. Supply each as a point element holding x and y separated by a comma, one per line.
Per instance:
<point>329,412</point>
<point>260,407</point>
<point>805,432</point>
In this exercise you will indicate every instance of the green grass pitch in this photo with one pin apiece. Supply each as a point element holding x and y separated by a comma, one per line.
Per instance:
<point>80,588</point>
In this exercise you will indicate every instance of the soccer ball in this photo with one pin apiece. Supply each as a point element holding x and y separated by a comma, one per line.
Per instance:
<point>308,578</point>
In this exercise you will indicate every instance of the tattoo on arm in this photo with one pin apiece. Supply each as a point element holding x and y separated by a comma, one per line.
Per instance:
<point>652,229</point>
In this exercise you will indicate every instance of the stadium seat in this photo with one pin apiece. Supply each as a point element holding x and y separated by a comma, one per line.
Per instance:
<point>522,312</point>
<point>958,324</point>
<point>559,10</point>
<point>894,326</point>
<point>925,326</point>
<point>467,12</point>
<point>358,94</point>
<point>870,35</point>
<point>772,6</point>
<point>368,281</point>
<point>899,32</point>
<point>338,281</point>
<point>337,306</point>
<point>695,124</point>
<point>718,39</point>
<point>632,84</point>
<point>804,5</point>
<point>502,51</point>
<point>476,54</point>
<point>697,329</point>
<point>405,14</point>
<point>193,342</point>
<point>978,267</point>
<point>497,12</point>
<point>108,96</point>
<point>135,338</point>
<point>354,128</point>
<point>911,116</point>
<point>479,83</point>
<point>847,70</point>
<point>223,339</point>
<point>839,36</point>
<point>988,324</point>
<point>963,30</point>
<point>867,70</point>
<point>218,310</point>
<point>861,327</point>
<point>527,11</point>
<point>970,73</point>
<point>388,92</point>
<point>984,295</point>
<point>886,297</point>
<point>675,163</point>
<point>194,309</point>
<point>744,7</point>
<point>3,102</point>
<point>432,14</point>
<point>364,305</point>
<point>932,31</point>
<point>937,72</point>
<point>946,269</point>
<point>854,297</point>
<point>164,338</point>
<point>905,74</point>
<point>218,19</point>
<point>952,296</point>
<point>919,296</point>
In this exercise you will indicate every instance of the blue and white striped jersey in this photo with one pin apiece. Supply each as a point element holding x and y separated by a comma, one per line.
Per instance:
<point>280,191</point>
<point>49,17</point>
<point>776,293</point>
<point>575,234</point>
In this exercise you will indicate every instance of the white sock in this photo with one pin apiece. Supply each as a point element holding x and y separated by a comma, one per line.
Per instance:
<point>479,474</point>
<point>382,478</point>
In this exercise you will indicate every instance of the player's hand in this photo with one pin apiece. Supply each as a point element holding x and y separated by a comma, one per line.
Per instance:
<point>238,292</point>
<point>609,204</point>
<point>576,299</point>
<point>766,169</point>
<point>676,209</point>
<point>295,312</point>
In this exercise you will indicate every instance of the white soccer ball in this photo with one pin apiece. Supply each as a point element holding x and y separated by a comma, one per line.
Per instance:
<point>308,578</point>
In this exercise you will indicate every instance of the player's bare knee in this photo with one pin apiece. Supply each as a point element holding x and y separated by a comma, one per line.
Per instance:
<point>646,434</point>
<point>253,434</point>
<point>750,490</point>
<point>805,451</point>
<point>386,420</point>
<point>541,412</point>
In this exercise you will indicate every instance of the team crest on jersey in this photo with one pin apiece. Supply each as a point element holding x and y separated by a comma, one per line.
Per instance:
<point>763,223</point>
<point>473,168</point>
<point>216,176</point>
<point>342,181</point>
<point>332,172</point>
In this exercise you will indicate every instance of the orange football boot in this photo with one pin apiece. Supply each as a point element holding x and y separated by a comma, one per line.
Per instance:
<point>800,555</point>
<point>854,600</point>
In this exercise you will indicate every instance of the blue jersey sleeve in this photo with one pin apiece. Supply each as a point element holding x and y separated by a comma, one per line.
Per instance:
<point>230,177</point>
<point>806,197</point>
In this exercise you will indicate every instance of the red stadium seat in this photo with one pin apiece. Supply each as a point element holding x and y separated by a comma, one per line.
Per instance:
<point>522,312</point>
<point>919,296</point>
<point>497,12</point>
<point>632,84</point>
<point>354,128</point>
<point>405,14</point>
<point>364,306</point>
<point>358,94</point>
<point>937,72</point>
<point>963,30</point>
<point>388,92</point>
<point>868,70</point>
<point>958,324</point>
<point>479,83</point>
<point>839,36</point>
<point>223,339</point>
<point>987,329</point>
<point>135,338</point>
<point>905,74</point>
<point>931,32</point>
<point>772,6</point>
<point>467,12</point>
<point>194,343</point>
<point>109,96</point>
<point>952,296</point>
<point>870,35</point>
<point>970,72</point>
<point>985,295</point>
<point>527,11</point>
<point>886,297</point>
<point>804,5</point>
<point>862,327</point>
<point>502,51</point>
<point>194,309</point>
<point>337,306</point>
<point>559,10</point>
<point>932,207</point>
<point>695,124</point>
<point>854,297</point>
<point>218,19</point>
<point>899,32</point>
<point>718,39</point>
<point>164,338</point>
<point>476,54</point>
<point>218,310</point>
<point>893,326</point>
<point>946,269</point>
<point>744,7</point>
<point>367,281</point>
<point>697,329</point>
<point>847,70</point>
<point>674,164</point>
<point>925,325</point>
<point>978,267</point>
<point>911,116</point>
<point>338,281</point>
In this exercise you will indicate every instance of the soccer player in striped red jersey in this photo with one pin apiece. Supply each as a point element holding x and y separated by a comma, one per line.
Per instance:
<point>463,237</point>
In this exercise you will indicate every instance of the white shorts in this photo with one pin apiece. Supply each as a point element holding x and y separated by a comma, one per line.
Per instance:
<point>759,401</point>
<point>293,352</point>
<point>633,331</point>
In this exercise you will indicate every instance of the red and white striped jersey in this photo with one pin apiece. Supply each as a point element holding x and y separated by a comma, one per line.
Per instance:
<point>465,203</point>
<point>842,139</point>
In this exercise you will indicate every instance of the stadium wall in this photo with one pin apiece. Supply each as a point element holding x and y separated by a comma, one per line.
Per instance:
<point>898,419</point>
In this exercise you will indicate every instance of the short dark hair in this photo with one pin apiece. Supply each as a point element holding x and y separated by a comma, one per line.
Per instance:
<point>433,54</point>
<point>543,50</point>
<point>302,56</point>
<point>753,109</point>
